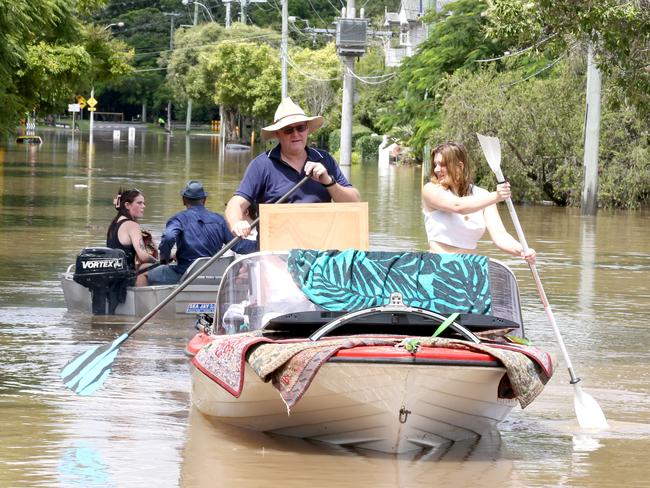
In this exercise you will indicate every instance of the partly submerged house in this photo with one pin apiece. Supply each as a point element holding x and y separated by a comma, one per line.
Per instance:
<point>412,31</point>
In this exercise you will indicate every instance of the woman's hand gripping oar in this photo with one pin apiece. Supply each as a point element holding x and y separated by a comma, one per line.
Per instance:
<point>86,373</point>
<point>588,412</point>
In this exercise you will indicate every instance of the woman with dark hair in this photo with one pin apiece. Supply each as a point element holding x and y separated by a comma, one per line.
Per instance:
<point>457,212</point>
<point>125,233</point>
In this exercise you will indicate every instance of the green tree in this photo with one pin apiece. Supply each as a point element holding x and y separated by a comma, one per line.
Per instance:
<point>619,30</point>
<point>186,66</point>
<point>146,31</point>
<point>46,54</point>
<point>541,134</point>
<point>236,68</point>
<point>315,83</point>
<point>246,80</point>
<point>457,39</point>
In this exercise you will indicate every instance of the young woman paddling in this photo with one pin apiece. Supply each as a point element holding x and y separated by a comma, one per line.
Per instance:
<point>125,233</point>
<point>457,212</point>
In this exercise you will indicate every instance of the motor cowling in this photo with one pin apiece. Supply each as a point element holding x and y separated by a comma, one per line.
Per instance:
<point>105,272</point>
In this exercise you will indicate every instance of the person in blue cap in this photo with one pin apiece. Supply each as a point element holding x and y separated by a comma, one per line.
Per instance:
<point>196,232</point>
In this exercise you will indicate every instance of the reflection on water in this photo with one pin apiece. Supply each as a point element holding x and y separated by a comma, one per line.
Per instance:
<point>81,465</point>
<point>56,198</point>
<point>236,458</point>
<point>587,264</point>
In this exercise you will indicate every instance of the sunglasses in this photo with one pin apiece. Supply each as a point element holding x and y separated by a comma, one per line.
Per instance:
<point>298,128</point>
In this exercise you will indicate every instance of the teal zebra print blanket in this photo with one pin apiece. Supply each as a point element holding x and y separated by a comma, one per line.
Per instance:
<point>353,280</point>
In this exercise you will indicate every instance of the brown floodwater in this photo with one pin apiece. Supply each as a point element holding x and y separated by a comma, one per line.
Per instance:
<point>140,429</point>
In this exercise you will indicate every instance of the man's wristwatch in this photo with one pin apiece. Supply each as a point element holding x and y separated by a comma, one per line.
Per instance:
<point>331,183</point>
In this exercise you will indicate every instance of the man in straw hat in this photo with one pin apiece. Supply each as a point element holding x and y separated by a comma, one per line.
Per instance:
<point>271,174</point>
<point>196,232</point>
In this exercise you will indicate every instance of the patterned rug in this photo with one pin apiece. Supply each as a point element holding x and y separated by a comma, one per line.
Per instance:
<point>223,359</point>
<point>291,365</point>
<point>295,375</point>
<point>528,368</point>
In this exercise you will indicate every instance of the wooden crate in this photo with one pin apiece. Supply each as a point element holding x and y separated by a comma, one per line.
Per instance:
<point>319,226</point>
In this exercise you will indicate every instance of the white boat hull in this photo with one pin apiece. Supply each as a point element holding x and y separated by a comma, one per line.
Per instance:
<point>392,408</point>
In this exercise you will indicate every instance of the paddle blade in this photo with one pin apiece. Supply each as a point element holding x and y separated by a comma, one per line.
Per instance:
<point>86,373</point>
<point>492,150</point>
<point>589,413</point>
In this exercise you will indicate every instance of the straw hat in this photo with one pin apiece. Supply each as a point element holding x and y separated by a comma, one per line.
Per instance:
<point>289,113</point>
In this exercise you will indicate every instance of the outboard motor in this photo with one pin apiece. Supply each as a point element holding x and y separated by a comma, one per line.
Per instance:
<point>104,271</point>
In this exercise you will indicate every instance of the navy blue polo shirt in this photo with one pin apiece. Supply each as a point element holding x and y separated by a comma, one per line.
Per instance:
<point>197,233</point>
<point>268,178</point>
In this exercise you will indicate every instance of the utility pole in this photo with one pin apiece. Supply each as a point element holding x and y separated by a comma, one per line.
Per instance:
<point>242,12</point>
<point>222,113</point>
<point>347,105</point>
<point>91,118</point>
<point>172,16</point>
<point>284,47</point>
<point>227,4</point>
<point>592,137</point>
<point>188,117</point>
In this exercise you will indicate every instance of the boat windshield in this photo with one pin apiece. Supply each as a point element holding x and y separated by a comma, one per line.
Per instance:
<point>255,289</point>
<point>259,287</point>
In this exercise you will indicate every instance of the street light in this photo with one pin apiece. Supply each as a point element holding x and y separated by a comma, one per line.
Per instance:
<point>188,2</point>
<point>293,18</point>
<point>116,24</point>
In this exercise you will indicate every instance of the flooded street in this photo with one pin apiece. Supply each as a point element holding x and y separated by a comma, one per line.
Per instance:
<point>140,430</point>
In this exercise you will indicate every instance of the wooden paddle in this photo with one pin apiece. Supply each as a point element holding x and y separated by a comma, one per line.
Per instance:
<point>588,412</point>
<point>87,372</point>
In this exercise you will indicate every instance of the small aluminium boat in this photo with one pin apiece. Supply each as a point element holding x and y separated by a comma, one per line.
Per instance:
<point>98,283</point>
<point>390,351</point>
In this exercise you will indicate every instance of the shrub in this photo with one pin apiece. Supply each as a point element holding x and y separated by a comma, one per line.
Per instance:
<point>368,146</point>
<point>335,137</point>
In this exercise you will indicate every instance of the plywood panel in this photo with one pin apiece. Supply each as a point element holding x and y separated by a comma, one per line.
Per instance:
<point>319,226</point>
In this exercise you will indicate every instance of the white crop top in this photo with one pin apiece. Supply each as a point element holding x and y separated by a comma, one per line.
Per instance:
<point>455,229</point>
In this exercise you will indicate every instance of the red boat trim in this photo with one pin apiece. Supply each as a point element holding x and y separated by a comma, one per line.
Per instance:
<point>445,362</point>
<point>424,355</point>
<point>197,342</point>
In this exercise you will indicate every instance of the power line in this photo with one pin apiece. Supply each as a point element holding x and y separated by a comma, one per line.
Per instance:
<point>517,53</point>
<point>308,75</point>
<point>372,80</point>
<point>541,70</point>
<point>214,43</point>
<point>325,24</point>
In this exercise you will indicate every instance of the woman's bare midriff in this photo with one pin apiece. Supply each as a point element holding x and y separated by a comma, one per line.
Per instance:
<point>439,247</point>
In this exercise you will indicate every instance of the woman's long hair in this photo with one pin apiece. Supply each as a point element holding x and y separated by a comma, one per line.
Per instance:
<point>123,197</point>
<point>456,159</point>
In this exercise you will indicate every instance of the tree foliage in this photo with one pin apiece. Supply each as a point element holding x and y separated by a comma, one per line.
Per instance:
<point>186,73</point>
<point>47,54</point>
<point>456,41</point>
<point>315,82</point>
<point>541,134</point>
<point>619,30</point>
<point>246,77</point>
<point>146,30</point>
<point>194,48</point>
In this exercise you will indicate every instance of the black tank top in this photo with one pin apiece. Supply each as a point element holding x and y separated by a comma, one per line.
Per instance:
<point>114,243</point>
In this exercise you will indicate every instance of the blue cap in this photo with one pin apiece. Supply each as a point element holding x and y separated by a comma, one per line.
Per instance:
<point>194,190</point>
